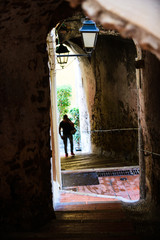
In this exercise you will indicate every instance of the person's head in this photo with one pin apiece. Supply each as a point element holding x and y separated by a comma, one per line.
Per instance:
<point>65,117</point>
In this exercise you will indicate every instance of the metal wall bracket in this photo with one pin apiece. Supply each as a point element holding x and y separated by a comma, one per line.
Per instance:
<point>74,55</point>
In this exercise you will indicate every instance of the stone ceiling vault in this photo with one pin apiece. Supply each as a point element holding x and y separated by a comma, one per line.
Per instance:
<point>135,19</point>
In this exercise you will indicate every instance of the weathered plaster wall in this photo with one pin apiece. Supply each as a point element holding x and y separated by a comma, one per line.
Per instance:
<point>25,196</point>
<point>109,82</point>
<point>87,92</point>
<point>115,101</point>
<point>150,118</point>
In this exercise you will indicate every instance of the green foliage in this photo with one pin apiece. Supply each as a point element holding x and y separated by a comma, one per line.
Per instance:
<point>64,94</point>
<point>74,112</point>
<point>75,116</point>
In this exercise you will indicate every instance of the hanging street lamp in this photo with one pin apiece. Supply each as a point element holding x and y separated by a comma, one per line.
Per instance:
<point>63,52</point>
<point>89,32</point>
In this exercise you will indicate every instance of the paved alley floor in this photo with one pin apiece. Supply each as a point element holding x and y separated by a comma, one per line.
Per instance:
<point>110,187</point>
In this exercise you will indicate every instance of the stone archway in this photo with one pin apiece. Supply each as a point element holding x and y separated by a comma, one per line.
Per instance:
<point>125,75</point>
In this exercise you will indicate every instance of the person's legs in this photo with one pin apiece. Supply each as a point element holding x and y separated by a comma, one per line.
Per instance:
<point>65,145</point>
<point>71,143</point>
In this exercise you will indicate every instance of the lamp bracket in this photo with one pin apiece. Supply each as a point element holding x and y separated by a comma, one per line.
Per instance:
<point>75,55</point>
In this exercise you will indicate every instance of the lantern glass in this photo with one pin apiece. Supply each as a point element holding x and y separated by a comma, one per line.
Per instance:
<point>89,39</point>
<point>63,59</point>
<point>62,50</point>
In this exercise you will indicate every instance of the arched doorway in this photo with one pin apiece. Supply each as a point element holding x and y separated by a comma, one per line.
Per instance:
<point>124,112</point>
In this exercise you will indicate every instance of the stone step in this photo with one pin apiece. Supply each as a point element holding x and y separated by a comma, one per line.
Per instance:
<point>110,223</point>
<point>92,161</point>
<point>86,206</point>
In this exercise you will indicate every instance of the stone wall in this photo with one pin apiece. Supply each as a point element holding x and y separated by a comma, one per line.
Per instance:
<point>25,196</point>
<point>115,101</point>
<point>150,118</point>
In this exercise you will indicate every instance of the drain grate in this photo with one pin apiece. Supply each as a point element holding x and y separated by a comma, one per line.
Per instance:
<point>119,172</point>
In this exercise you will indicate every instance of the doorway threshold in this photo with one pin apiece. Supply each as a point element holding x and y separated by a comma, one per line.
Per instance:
<point>98,170</point>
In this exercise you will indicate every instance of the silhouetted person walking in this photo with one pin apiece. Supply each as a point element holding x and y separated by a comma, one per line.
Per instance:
<point>67,125</point>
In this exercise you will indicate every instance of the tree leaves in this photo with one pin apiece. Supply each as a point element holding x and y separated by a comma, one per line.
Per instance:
<point>64,94</point>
